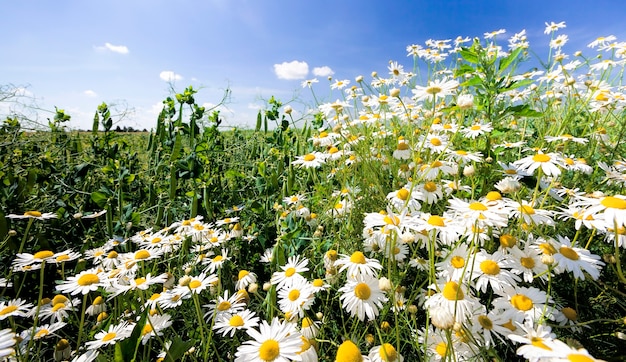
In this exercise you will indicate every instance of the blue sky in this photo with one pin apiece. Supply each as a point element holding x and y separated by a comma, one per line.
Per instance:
<point>75,54</point>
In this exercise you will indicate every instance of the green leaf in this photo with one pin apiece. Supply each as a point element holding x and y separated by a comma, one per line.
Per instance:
<point>523,110</point>
<point>463,69</point>
<point>99,198</point>
<point>474,81</point>
<point>508,60</point>
<point>469,56</point>
<point>178,348</point>
<point>517,84</point>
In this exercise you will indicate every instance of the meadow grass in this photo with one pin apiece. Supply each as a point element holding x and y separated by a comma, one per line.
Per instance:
<point>470,208</point>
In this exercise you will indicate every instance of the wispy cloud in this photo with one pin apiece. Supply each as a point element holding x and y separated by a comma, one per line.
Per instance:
<point>324,71</point>
<point>90,93</point>
<point>121,49</point>
<point>169,76</point>
<point>291,70</point>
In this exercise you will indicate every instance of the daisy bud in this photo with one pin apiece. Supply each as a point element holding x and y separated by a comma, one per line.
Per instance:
<point>288,109</point>
<point>385,326</point>
<point>185,280</point>
<point>77,215</point>
<point>489,159</point>
<point>62,350</point>
<point>620,335</point>
<point>547,259</point>
<point>469,171</point>
<point>369,339</point>
<point>253,288</point>
<point>359,79</point>
<point>465,101</point>
<point>267,286</point>
<point>609,258</point>
<point>395,92</point>
<point>319,316</point>
<point>12,232</point>
<point>374,74</point>
<point>578,53</point>
<point>365,99</point>
<point>384,284</point>
<point>412,309</point>
<point>317,234</point>
<point>129,225</point>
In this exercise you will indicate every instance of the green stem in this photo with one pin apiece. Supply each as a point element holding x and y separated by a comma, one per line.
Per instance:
<point>82,322</point>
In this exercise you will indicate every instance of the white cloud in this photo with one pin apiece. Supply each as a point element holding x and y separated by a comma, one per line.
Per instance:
<point>291,70</point>
<point>90,93</point>
<point>121,49</point>
<point>255,106</point>
<point>169,76</point>
<point>324,71</point>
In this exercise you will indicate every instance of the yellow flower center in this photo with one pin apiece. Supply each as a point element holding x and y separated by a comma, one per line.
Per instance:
<point>527,209</point>
<point>402,146</point>
<point>358,258</point>
<point>433,90</point>
<point>8,310</point>
<point>109,336</point>
<point>225,305</point>
<point>403,194</point>
<point>451,291</point>
<point>88,279</point>
<point>547,249</point>
<point>527,263</point>
<point>146,329</point>
<point>493,196</point>
<point>62,258</point>
<point>391,220</point>
<point>485,322</point>
<point>570,313</point>
<point>611,202</point>
<point>430,186</point>
<point>42,333</point>
<point>521,302</point>
<point>476,127</point>
<point>362,291</point>
<point>331,254</point>
<point>99,300</point>
<point>290,272</point>
<point>490,267</point>
<point>142,254</point>
<point>235,321</point>
<point>59,299</point>
<point>333,150</point>
<point>509,325</point>
<point>436,164</point>
<point>309,157</point>
<point>43,254</point>
<point>569,253</point>
<point>294,295</point>
<point>323,134</point>
<point>348,352</point>
<point>32,213</point>
<point>243,274</point>
<point>269,350</point>
<point>112,255</point>
<point>507,241</point>
<point>218,258</point>
<point>195,284</point>
<point>436,220</point>
<point>576,357</point>
<point>461,153</point>
<point>435,141</point>
<point>387,353</point>
<point>538,342</point>
<point>541,157</point>
<point>442,349</point>
<point>477,206</point>
<point>318,283</point>
<point>457,262</point>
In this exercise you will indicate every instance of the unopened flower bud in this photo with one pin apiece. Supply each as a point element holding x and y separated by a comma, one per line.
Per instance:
<point>469,171</point>
<point>384,284</point>
<point>267,286</point>
<point>395,92</point>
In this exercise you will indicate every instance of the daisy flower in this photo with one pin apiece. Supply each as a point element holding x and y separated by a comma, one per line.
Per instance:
<point>576,260</point>
<point>538,341</point>
<point>403,150</point>
<point>199,283</point>
<point>15,308</point>
<point>489,270</point>
<point>435,142</point>
<point>404,198</point>
<point>290,272</point>
<point>84,282</point>
<point>385,353</point>
<point>436,88</point>
<point>450,304</point>
<point>228,323</point>
<point>358,265</point>
<point>548,162</point>
<point>173,298</point>
<point>7,341</point>
<point>155,324</point>
<point>114,334</point>
<point>25,259</point>
<point>611,208</point>
<point>310,328</point>
<point>34,215</point>
<point>362,297</point>
<point>276,341</point>
<point>224,305</point>
<point>43,331</point>
<point>456,264</point>
<point>294,199</point>
<point>527,262</point>
<point>529,215</point>
<point>310,160</point>
<point>217,262</point>
<point>244,279</point>
<point>296,298</point>
<point>429,192</point>
<point>476,130</point>
<point>519,303</point>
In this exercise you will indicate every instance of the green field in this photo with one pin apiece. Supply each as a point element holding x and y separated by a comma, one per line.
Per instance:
<point>472,213</point>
